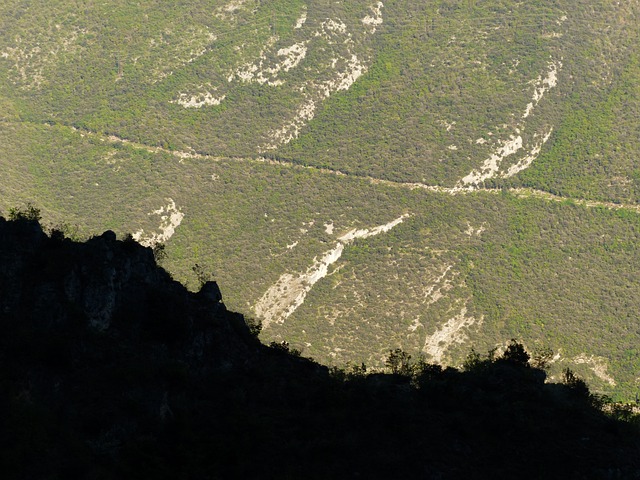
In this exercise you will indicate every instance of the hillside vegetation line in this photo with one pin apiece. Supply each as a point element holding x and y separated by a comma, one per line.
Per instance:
<point>523,192</point>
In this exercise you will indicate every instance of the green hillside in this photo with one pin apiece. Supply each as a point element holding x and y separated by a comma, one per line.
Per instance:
<point>358,175</point>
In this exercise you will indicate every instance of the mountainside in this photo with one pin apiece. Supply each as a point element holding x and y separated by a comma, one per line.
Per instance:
<point>360,175</point>
<point>110,369</point>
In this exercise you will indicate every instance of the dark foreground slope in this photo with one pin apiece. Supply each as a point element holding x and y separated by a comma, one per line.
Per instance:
<point>109,369</point>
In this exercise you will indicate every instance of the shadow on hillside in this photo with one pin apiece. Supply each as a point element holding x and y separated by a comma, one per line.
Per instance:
<point>110,369</point>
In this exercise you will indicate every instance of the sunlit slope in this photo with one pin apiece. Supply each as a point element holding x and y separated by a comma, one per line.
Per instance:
<point>447,93</point>
<point>430,272</point>
<point>220,77</point>
<point>357,175</point>
<point>460,96</point>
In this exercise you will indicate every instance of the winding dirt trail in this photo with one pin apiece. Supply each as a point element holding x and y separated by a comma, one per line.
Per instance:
<point>457,190</point>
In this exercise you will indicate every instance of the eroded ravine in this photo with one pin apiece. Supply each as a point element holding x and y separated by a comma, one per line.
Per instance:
<point>289,292</point>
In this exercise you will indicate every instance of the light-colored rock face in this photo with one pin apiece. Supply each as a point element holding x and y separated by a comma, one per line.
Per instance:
<point>339,61</point>
<point>343,71</point>
<point>30,61</point>
<point>202,98</point>
<point>374,20</point>
<point>170,218</point>
<point>289,292</point>
<point>264,72</point>
<point>452,331</point>
<point>598,366</point>
<point>301,20</point>
<point>230,9</point>
<point>541,87</point>
<point>508,149</point>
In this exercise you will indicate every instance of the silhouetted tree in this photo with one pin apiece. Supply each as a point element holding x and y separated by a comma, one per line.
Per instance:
<point>516,354</point>
<point>473,361</point>
<point>399,362</point>
<point>577,385</point>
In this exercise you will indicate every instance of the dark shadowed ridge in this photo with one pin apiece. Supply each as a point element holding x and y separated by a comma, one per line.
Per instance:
<point>110,369</point>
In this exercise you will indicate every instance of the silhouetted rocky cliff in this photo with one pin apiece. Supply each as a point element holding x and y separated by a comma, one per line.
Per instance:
<point>110,369</point>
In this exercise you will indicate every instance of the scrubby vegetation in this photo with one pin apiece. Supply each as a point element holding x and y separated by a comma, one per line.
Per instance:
<point>109,113</point>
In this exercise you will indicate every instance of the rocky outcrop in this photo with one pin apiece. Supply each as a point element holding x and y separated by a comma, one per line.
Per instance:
<point>109,286</point>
